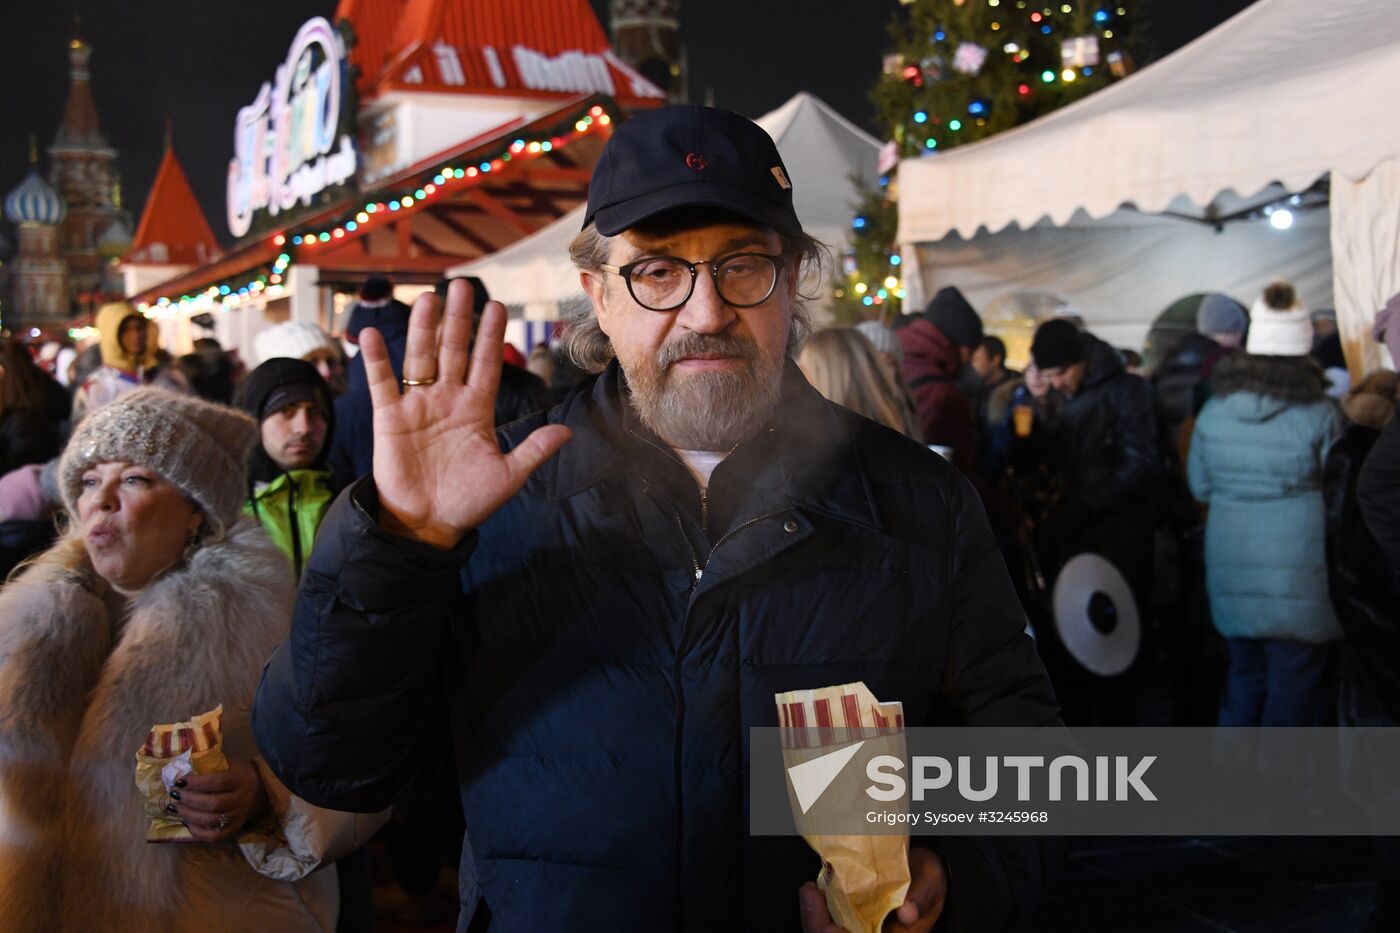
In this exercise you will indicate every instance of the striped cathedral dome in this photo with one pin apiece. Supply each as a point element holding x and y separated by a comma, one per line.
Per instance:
<point>34,202</point>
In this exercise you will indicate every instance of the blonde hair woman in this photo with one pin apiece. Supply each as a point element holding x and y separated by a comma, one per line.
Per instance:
<point>843,366</point>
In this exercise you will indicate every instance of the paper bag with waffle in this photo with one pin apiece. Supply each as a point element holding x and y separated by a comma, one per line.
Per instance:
<point>170,752</point>
<point>863,877</point>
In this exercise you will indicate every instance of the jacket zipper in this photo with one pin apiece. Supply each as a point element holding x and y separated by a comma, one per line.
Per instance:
<point>704,498</point>
<point>292,520</point>
<point>676,676</point>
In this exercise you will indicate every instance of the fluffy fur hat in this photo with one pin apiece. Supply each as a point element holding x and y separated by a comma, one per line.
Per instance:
<point>199,446</point>
<point>1279,324</point>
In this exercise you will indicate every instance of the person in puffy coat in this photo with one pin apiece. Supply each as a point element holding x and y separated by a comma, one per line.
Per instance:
<point>936,347</point>
<point>1256,461</point>
<point>1358,579</point>
<point>128,342</point>
<point>594,635</point>
<point>160,603</point>
<point>1102,448</point>
<point>290,487</point>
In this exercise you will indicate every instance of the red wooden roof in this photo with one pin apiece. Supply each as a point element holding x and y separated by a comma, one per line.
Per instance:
<point>173,228</point>
<point>551,48</point>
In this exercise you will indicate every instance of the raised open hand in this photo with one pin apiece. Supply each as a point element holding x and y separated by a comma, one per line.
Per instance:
<point>437,465</point>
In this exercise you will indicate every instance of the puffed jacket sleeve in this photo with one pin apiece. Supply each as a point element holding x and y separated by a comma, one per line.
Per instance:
<point>297,837</point>
<point>350,709</point>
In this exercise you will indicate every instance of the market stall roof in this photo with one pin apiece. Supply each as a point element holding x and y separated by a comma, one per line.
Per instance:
<point>465,202</point>
<point>1284,92</point>
<point>820,148</point>
<point>173,229</point>
<point>523,48</point>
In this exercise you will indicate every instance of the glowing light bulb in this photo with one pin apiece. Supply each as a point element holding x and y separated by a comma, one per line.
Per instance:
<point>1068,75</point>
<point>1281,219</point>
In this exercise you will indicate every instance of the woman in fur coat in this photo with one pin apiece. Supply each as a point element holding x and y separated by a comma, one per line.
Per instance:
<point>1256,460</point>
<point>158,604</point>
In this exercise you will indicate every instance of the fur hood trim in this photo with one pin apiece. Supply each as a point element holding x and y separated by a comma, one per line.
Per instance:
<point>1292,380</point>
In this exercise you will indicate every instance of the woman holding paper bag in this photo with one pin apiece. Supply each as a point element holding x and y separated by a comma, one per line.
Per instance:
<point>159,603</point>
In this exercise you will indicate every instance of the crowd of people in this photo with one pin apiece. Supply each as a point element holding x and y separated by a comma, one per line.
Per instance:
<point>693,503</point>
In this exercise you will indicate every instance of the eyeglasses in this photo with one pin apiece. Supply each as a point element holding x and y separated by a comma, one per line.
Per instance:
<point>664,283</point>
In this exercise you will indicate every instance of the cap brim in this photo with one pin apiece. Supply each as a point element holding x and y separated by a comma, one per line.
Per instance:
<point>615,218</point>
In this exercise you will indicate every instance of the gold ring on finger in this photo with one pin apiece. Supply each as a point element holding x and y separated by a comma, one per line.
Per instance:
<point>419,382</point>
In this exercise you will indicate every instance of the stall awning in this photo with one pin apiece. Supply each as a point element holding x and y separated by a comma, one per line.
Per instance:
<point>1286,91</point>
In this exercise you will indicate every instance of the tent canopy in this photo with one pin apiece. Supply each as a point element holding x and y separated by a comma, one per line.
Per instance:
<point>1286,91</point>
<point>820,148</point>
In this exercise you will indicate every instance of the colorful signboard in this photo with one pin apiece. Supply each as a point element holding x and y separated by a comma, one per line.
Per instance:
<point>295,140</point>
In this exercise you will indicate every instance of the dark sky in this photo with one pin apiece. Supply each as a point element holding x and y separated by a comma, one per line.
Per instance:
<point>198,61</point>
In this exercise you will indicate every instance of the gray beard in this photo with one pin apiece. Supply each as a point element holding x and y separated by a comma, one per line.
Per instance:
<point>713,411</point>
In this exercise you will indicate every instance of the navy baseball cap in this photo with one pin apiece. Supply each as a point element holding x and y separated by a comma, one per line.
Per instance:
<point>688,156</point>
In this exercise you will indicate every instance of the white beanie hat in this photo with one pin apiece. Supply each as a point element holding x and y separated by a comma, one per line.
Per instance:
<point>291,340</point>
<point>1279,324</point>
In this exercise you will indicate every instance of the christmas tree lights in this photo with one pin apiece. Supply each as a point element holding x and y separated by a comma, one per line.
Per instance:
<point>961,71</point>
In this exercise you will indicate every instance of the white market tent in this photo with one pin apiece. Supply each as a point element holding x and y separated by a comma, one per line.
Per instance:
<point>1100,193</point>
<point>820,148</point>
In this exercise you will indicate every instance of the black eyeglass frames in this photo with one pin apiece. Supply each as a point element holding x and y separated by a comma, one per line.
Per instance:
<point>664,283</point>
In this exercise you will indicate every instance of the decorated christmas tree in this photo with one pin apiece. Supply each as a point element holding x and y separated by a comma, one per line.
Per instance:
<point>960,71</point>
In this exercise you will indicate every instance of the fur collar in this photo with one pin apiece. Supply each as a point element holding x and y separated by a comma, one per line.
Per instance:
<point>82,678</point>
<point>1288,379</point>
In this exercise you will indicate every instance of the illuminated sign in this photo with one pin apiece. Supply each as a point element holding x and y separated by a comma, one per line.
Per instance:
<point>289,144</point>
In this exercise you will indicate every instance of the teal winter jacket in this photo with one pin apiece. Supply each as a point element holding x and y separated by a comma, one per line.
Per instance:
<point>1256,460</point>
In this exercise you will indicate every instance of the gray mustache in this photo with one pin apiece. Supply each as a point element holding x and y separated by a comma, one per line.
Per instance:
<point>693,344</point>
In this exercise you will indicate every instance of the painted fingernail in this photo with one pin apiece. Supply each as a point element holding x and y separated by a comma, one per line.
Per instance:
<point>171,808</point>
<point>175,794</point>
<point>181,783</point>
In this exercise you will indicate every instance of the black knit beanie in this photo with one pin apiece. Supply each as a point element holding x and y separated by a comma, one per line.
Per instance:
<point>950,312</point>
<point>1057,343</point>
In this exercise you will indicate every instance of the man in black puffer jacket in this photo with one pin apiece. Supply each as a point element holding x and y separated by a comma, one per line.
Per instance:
<point>1102,447</point>
<point>593,635</point>
<point>1104,451</point>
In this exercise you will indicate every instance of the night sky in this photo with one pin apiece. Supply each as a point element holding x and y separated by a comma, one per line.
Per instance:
<point>197,61</point>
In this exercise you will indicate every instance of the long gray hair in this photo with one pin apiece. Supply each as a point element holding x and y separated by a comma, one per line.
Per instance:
<point>590,349</point>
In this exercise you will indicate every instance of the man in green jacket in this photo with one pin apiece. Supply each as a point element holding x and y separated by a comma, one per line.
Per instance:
<point>290,486</point>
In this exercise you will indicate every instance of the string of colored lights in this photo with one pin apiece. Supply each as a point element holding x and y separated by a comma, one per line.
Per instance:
<point>446,180</point>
